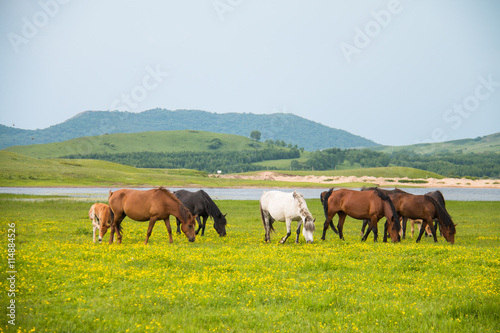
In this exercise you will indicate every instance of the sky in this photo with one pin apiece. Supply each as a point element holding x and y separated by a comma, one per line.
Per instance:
<point>397,72</point>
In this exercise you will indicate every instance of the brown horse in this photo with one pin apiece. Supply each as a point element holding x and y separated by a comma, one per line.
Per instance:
<point>100,214</point>
<point>371,205</point>
<point>153,205</point>
<point>425,208</point>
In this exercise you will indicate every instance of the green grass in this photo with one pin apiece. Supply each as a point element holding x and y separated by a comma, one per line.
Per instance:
<point>488,143</point>
<point>20,170</point>
<point>387,172</point>
<point>160,141</point>
<point>66,283</point>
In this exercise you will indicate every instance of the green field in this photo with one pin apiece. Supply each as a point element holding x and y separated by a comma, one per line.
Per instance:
<point>20,170</point>
<point>488,143</point>
<point>160,141</point>
<point>66,283</point>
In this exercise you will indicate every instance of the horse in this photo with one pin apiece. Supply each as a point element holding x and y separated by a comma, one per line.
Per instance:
<point>360,205</point>
<point>425,208</point>
<point>100,214</point>
<point>199,203</point>
<point>428,231</point>
<point>153,205</point>
<point>286,207</point>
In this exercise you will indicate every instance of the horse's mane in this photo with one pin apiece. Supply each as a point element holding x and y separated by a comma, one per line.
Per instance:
<point>385,197</point>
<point>443,214</point>
<point>182,209</point>
<point>210,206</point>
<point>308,224</point>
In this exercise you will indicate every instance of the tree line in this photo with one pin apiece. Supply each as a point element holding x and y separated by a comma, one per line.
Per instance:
<point>211,161</point>
<point>447,164</point>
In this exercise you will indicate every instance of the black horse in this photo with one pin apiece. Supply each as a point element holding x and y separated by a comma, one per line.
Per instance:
<point>199,203</point>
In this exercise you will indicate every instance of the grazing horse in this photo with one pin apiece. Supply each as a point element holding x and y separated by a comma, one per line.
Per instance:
<point>425,208</point>
<point>287,207</point>
<point>371,205</point>
<point>100,214</point>
<point>153,205</point>
<point>422,207</point>
<point>199,203</point>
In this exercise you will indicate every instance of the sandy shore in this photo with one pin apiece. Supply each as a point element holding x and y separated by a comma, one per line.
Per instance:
<point>394,181</point>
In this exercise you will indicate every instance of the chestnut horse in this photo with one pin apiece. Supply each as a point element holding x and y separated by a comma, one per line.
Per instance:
<point>426,208</point>
<point>100,214</point>
<point>371,205</point>
<point>153,205</point>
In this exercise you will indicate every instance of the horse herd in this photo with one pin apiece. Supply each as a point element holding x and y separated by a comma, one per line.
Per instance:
<point>369,205</point>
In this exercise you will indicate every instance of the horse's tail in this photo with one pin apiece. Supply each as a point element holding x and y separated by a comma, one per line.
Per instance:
<point>396,226</point>
<point>264,220</point>
<point>443,215</point>
<point>112,218</point>
<point>325,202</point>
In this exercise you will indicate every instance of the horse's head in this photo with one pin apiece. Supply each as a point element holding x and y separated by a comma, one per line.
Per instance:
<point>448,232</point>
<point>394,228</point>
<point>308,229</point>
<point>220,225</point>
<point>188,225</point>
<point>105,223</point>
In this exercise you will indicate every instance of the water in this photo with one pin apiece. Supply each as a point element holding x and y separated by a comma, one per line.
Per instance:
<point>101,194</point>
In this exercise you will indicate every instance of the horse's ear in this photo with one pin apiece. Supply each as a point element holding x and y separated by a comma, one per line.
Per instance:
<point>224,215</point>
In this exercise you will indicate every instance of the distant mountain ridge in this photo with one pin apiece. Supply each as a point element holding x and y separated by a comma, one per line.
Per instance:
<point>277,126</point>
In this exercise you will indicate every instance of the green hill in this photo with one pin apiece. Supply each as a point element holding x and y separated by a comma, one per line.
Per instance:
<point>488,143</point>
<point>156,142</point>
<point>279,126</point>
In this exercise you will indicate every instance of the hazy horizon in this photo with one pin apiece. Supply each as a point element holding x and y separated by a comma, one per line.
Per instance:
<point>395,72</point>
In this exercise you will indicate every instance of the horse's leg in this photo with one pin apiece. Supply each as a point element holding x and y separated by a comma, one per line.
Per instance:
<point>386,226</point>
<point>405,221</point>
<point>152,222</point>
<point>421,232</point>
<point>340,226</point>
<point>205,218</point>
<point>179,226</point>
<point>169,229</point>
<point>412,223</point>
<point>298,231</point>
<point>325,227</point>
<point>200,226</point>
<point>363,226</point>
<point>429,223</point>
<point>267,229</point>
<point>115,228</point>
<point>288,230</point>
<point>436,224</point>
<point>365,236</point>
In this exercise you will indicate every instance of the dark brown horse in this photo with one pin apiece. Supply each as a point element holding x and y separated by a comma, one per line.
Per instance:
<point>152,205</point>
<point>371,205</point>
<point>425,208</point>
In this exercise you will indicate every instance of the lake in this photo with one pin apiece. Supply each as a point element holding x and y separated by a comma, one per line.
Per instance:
<point>101,194</point>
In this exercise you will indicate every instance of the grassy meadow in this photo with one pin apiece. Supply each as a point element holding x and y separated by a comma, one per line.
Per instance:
<point>66,283</point>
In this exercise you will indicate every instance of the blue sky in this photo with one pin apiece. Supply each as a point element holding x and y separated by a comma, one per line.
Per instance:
<point>396,72</point>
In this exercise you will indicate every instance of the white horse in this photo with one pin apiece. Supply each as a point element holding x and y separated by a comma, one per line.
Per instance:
<point>286,207</point>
